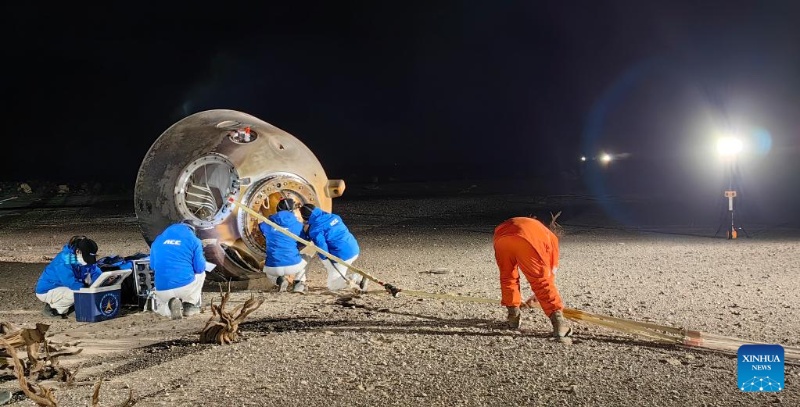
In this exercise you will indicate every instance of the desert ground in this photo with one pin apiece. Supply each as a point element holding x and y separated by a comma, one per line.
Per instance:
<point>312,350</point>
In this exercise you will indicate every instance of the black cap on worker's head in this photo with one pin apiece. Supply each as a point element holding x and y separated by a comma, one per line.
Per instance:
<point>305,211</point>
<point>88,249</point>
<point>190,224</point>
<point>285,204</point>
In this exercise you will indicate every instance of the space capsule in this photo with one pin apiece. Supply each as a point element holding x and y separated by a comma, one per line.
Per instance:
<point>202,160</point>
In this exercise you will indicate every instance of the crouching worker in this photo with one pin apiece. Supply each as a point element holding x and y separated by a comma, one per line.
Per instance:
<point>528,245</point>
<point>179,270</point>
<point>75,267</point>
<point>328,232</point>
<point>283,258</point>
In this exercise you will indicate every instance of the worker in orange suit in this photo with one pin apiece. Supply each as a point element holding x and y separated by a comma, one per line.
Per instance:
<point>528,245</point>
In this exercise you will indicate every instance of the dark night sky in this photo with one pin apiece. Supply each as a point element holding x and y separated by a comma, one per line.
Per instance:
<point>502,88</point>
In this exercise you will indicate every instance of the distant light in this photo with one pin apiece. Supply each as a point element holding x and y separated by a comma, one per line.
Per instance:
<point>606,158</point>
<point>583,158</point>
<point>729,146</point>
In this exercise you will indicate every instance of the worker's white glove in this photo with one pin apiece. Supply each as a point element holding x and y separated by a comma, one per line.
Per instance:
<point>309,250</point>
<point>554,270</point>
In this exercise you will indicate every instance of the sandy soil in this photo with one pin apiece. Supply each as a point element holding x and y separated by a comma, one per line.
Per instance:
<point>310,351</point>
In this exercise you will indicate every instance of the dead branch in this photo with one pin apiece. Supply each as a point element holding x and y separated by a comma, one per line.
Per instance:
<point>68,377</point>
<point>7,327</point>
<point>41,395</point>
<point>18,338</point>
<point>96,394</point>
<point>130,401</point>
<point>41,362</point>
<point>557,229</point>
<point>249,307</point>
<point>223,326</point>
<point>63,352</point>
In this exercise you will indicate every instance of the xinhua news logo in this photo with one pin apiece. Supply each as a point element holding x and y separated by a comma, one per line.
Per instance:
<point>760,368</point>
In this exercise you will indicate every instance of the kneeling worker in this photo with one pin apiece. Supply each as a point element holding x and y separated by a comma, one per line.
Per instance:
<point>328,232</point>
<point>179,270</point>
<point>75,267</point>
<point>528,245</point>
<point>283,258</point>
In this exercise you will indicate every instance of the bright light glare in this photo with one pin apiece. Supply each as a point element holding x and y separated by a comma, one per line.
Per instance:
<point>729,146</point>
<point>583,158</point>
<point>606,158</point>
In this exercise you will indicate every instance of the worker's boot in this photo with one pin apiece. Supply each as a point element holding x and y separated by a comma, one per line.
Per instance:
<point>48,311</point>
<point>66,313</point>
<point>282,284</point>
<point>561,328</point>
<point>299,287</point>
<point>361,281</point>
<point>190,309</point>
<point>514,316</point>
<point>175,308</point>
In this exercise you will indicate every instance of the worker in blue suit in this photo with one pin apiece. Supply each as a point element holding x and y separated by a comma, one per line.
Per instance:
<point>328,232</point>
<point>75,267</point>
<point>283,257</point>
<point>179,270</point>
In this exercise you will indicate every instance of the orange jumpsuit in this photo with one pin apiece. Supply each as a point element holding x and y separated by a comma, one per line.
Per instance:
<point>528,245</point>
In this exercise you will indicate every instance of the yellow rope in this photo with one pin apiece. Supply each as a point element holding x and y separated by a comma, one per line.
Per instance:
<point>307,243</point>
<point>656,332</point>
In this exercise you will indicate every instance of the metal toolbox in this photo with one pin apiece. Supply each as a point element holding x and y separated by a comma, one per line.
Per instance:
<point>138,286</point>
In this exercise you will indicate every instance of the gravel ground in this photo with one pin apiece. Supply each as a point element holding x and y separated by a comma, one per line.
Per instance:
<point>314,351</point>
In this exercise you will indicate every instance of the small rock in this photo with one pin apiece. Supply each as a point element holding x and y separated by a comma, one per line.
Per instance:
<point>5,396</point>
<point>438,270</point>
<point>671,361</point>
<point>25,188</point>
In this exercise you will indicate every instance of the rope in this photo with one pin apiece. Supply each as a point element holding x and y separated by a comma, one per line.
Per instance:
<point>658,333</point>
<point>392,290</point>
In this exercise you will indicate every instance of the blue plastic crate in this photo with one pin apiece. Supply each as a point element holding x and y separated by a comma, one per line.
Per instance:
<point>102,300</point>
<point>97,304</point>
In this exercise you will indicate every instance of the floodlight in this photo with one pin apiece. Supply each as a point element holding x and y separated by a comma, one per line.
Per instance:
<point>606,158</point>
<point>729,146</point>
<point>583,158</point>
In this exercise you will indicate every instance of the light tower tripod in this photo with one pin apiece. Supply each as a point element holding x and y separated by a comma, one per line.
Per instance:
<point>732,231</point>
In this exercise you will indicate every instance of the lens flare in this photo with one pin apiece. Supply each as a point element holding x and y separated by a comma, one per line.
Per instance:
<point>761,141</point>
